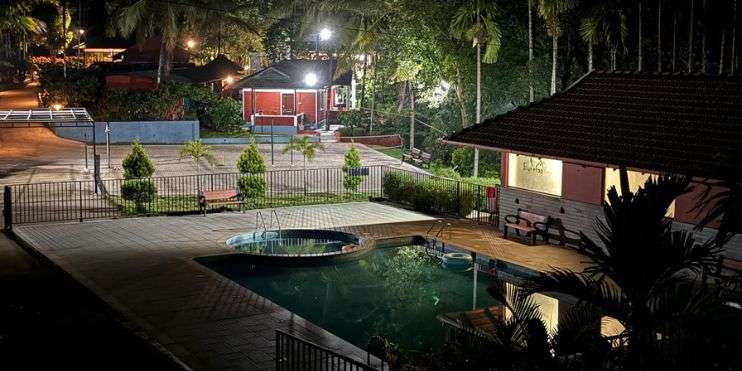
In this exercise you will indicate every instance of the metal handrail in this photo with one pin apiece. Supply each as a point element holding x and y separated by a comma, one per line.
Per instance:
<point>293,353</point>
<point>442,228</point>
<point>259,216</point>
<point>277,222</point>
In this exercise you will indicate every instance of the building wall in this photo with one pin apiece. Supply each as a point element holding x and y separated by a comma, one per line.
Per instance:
<point>124,132</point>
<point>581,216</point>
<point>582,183</point>
<point>268,102</point>
<point>306,102</point>
<point>246,104</point>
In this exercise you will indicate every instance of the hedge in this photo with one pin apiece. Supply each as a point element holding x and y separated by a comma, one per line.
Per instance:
<point>428,195</point>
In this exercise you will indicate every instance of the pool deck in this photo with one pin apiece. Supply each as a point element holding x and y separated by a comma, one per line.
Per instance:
<point>144,268</point>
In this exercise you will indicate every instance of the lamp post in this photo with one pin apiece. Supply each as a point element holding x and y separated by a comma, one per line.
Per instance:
<point>310,79</point>
<point>325,34</point>
<point>80,34</point>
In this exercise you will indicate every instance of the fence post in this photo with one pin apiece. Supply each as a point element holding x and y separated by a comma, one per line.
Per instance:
<point>458,196</point>
<point>7,208</point>
<point>79,186</point>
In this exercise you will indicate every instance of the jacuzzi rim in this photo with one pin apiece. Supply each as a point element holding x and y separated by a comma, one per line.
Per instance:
<point>362,244</point>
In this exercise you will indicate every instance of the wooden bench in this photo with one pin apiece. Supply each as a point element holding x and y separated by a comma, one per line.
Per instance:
<point>528,223</point>
<point>221,197</point>
<point>555,232</point>
<point>417,156</point>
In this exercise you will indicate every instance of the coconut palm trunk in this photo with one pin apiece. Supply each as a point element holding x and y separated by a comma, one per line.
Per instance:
<point>659,35</point>
<point>674,38</point>
<point>475,172</point>
<point>639,42</point>
<point>733,62</point>
<point>721,52</point>
<point>554,59</point>
<point>690,38</point>
<point>530,51</point>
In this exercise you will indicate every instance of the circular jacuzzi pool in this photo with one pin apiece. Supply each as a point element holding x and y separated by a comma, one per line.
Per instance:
<point>293,242</point>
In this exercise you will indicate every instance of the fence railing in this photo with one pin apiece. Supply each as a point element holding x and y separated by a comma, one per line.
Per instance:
<point>94,199</point>
<point>293,353</point>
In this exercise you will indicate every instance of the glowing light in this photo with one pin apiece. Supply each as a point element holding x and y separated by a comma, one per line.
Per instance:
<point>190,43</point>
<point>57,106</point>
<point>325,34</point>
<point>310,79</point>
<point>81,31</point>
<point>229,79</point>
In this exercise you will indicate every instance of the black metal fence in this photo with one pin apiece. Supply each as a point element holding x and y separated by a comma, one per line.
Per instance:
<point>293,353</point>
<point>82,200</point>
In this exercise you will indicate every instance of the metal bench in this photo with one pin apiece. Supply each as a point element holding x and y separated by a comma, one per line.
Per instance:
<point>528,223</point>
<point>221,197</point>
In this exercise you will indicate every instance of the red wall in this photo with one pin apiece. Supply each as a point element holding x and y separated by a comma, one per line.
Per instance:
<point>582,183</point>
<point>268,102</point>
<point>684,205</point>
<point>306,102</point>
<point>246,104</point>
<point>277,121</point>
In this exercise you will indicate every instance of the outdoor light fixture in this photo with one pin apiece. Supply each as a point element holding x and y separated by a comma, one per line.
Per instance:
<point>325,34</point>
<point>229,79</point>
<point>81,31</point>
<point>190,43</point>
<point>310,79</point>
<point>57,106</point>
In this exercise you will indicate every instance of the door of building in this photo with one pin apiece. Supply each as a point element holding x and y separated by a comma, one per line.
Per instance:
<point>287,104</point>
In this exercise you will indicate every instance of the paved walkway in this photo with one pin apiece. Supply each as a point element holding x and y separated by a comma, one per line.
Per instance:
<point>144,268</point>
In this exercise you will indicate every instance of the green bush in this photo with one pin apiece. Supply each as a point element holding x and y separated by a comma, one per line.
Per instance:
<point>140,191</point>
<point>352,161</point>
<point>429,195</point>
<point>353,119</point>
<point>489,162</point>
<point>467,201</point>
<point>80,88</point>
<point>137,164</point>
<point>250,161</point>
<point>392,184</point>
<point>422,198</point>
<point>252,186</point>
<point>223,115</point>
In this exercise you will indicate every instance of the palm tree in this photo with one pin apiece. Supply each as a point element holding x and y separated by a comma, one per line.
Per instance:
<point>305,146</point>
<point>639,43</point>
<point>16,21</point>
<point>530,51</point>
<point>690,37</point>
<point>605,23</point>
<point>659,35</point>
<point>197,151</point>
<point>148,18</point>
<point>475,21</point>
<point>640,268</point>
<point>552,11</point>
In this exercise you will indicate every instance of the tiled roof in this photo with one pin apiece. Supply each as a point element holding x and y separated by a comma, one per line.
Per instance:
<point>290,74</point>
<point>217,69</point>
<point>690,124</point>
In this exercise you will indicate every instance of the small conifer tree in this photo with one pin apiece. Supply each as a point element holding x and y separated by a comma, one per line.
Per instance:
<point>252,166</point>
<point>137,164</point>
<point>351,164</point>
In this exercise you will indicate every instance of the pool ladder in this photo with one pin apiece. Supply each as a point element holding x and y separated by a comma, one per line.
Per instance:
<point>440,229</point>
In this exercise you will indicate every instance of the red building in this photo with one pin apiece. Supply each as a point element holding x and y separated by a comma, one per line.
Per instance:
<point>293,94</point>
<point>560,155</point>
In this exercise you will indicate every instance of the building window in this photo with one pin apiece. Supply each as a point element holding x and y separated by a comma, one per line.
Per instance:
<point>535,174</point>
<point>341,96</point>
<point>636,180</point>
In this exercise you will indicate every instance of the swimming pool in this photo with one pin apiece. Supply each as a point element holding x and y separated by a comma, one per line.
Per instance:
<point>393,292</point>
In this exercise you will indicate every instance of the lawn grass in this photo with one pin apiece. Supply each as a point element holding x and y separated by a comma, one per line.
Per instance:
<point>395,152</point>
<point>164,205</point>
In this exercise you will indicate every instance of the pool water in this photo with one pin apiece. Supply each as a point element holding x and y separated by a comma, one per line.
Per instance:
<point>292,242</point>
<point>392,292</point>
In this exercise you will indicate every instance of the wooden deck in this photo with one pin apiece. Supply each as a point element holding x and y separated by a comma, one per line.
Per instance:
<point>484,239</point>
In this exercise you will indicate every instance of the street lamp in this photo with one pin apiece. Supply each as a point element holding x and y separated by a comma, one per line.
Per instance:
<point>229,79</point>
<point>190,43</point>
<point>310,79</point>
<point>325,34</point>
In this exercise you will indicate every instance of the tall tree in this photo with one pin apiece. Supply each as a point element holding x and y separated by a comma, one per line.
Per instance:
<point>530,51</point>
<point>605,24</point>
<point>659,35</point>
<point>152,18</point>
<point>552,12</point>
<point>639,42</point>
<point>475,21</point>
<point>691,11</point>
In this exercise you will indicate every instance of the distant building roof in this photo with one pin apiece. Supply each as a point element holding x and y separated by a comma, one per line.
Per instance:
<point>290,74</point>
<point>690,124</point>
<point>149,53</point>
<point>217,69</point>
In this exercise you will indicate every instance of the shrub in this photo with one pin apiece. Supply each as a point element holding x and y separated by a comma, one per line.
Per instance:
<point>393,186</point>
<point>423,198</point>
<point>489,162</point>
<point>250,161</point>
<point>352,161</point>
<point>224,115</point>
<point>252,186</point>
<point>140,191</point>
<point>354,119</point>
<point>467,201</point>
<point>137,164</point>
